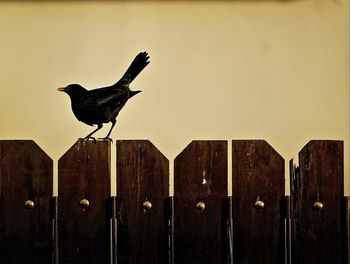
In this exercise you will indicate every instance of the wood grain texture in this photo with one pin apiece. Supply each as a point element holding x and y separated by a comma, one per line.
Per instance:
<point>54,228</point>
<point>169,222</point>
<point>201,176</point>
<point>346,222</point>
<point>113,216</point>
<point>288,225</point>
<point>318,234</point>
<point>25,173</point>
<point>84,173</point>
<point>142,175</point>
<point>229,230</point>
<point>257,174</point>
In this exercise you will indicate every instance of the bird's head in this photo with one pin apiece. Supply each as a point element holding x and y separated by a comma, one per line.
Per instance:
<point>73,90</point>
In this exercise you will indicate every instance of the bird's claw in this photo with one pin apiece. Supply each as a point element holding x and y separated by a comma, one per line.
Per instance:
<point>88,138</point>
<point>107,138</point>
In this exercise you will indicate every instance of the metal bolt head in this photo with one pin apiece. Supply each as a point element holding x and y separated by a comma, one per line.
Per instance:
<point>147,205</point>
<point>318,205</point>
<point>200,206</point>
<point>29,204</point>
<point>84,203</point>
<point>259,204</point>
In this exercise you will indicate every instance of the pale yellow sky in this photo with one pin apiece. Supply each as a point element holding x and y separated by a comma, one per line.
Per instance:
<point>277,71</point>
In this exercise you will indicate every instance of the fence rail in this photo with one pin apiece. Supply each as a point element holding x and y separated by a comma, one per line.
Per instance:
<point>200,224</point>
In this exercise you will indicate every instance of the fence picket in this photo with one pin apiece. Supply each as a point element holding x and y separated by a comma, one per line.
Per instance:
<point>199,225</point>
<point>317,193</point>
<point>83,233</point>
<point>200,190</point>
<point>258,197</point>
<point>142,187</point>
<point>25,174</point>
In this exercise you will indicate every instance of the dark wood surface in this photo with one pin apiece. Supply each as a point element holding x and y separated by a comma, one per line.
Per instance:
<point>288,226</point>
<point>142,175</point>
<point>54,229</point>
<point>318,234</point>
<point>25,174</point>
<point>119,229</point>
<point>346,226</point>
<point>113,216</point>
<point>200,175</point>
<point>228,243</point>
<point>257,174</point>
<point>169,222</point>
<point>84,173</point>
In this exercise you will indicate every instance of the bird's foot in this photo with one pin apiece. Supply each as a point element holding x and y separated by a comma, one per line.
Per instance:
<point>107,138</point>
<point>89,137</point>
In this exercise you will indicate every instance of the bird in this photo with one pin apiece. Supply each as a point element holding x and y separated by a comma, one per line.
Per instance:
<point>102,105</point>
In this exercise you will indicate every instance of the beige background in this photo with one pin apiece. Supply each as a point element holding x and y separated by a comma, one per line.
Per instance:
<point>219,70</point>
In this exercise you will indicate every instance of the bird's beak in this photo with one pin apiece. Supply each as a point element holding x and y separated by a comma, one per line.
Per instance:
<point>61,89</point>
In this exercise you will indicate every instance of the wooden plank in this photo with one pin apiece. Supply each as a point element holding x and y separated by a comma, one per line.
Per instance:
<point>229,229</point>
<point>318,232</point>
<point>294,173</point>
<point>258,191</point>
<point>54,228</point>
<point>142,182</point>
<point>200,180</point>
<point>25,174</point>
<point>84,173</point>
<point>169,223</point>
<point>113,216</point>
<point>288,226</point>
<point>294,182</point>
<point>346,219</point>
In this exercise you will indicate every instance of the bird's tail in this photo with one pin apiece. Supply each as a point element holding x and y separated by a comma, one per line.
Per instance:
<point>136,66</point>
<point>132,93</point>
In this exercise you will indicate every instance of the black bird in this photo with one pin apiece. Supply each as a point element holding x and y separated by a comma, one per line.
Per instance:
<point>102,105</point>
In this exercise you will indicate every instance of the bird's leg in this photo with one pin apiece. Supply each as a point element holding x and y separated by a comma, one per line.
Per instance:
<point>107,137</point>
<point>99,126</point>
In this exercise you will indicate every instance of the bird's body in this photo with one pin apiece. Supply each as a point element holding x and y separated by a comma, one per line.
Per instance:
<point>102,105</point>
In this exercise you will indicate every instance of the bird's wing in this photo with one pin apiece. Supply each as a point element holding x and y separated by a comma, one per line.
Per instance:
<point>108,99</point>
<point>104,97</point>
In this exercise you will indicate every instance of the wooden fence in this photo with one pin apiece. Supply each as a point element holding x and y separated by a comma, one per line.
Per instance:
<point>199,224</point>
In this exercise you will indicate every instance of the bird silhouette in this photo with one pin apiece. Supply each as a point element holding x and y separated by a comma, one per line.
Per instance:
<point>102,105</point>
